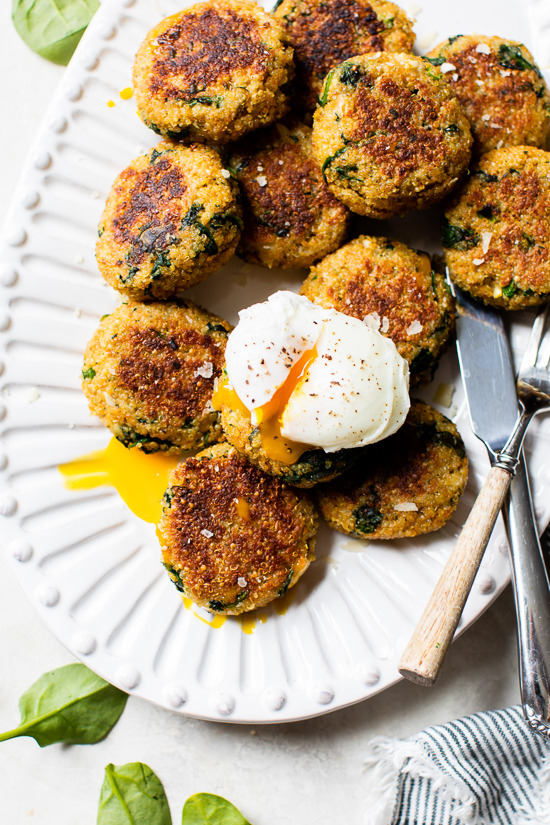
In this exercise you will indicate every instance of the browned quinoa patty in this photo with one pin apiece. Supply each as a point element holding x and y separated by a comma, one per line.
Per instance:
<point>213,72</point>
<point>500,88</point>
<point>389,135</point>
<point>290,217</point>
<point>312,467</point>
<point>496,230</point>
<point>171,219</point>
<point>232,537</point>
<point>406,485</point>
<point>409,298</point>
<point>149,371</point>
<point>326,32</point>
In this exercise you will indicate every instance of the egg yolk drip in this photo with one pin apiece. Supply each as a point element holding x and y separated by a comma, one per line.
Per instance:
<point>269,416</point>
<point>140,479</point>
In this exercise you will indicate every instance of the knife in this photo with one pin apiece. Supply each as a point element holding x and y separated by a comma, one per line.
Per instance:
<point>490,386</point>
<point>491,395</point>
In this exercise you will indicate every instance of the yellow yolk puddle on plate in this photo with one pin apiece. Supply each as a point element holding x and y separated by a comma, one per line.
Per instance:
<point>140,479</point>
<point>269,416</point>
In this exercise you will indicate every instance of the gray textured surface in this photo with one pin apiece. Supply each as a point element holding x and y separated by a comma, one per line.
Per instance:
<point>307,772</point>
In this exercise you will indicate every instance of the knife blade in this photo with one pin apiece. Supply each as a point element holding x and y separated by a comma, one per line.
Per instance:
<point>490,388</point>
<point>487,373</point>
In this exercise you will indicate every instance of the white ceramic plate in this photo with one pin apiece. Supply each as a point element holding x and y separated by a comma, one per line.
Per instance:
<point>90,567</point>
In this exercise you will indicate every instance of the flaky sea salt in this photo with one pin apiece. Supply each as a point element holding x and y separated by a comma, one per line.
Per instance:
<point>444,394</point>
<point>482,48</point>
<point>207,533</point>
<point>478,261</point>
<point>261,180</point>
<point>32,395</point>
<point>372,321</point>
<point>385,324</point>
<point>414,328</point>
<point>405,507</point>
<point>485,241</point>
<point>447,67</point>
<point>241,581</point>
<point>206,370</point>
<point>226,174</point>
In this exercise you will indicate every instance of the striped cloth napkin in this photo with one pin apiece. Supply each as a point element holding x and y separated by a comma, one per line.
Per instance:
<point>483,769</point>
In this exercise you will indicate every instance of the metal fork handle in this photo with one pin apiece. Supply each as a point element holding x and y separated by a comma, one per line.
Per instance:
<point>531,591</point>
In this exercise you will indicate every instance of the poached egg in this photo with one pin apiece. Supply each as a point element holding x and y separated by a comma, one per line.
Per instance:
<point>312,377</point>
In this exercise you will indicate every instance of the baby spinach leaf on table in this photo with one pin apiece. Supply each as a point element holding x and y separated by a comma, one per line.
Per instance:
<point>71,705</point>
<point>209,809</point>
<point>53,28</point>
<point>132,794</point>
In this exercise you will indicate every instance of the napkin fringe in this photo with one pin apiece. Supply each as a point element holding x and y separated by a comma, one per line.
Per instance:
<point>540,812</point>
<point>389,759</point>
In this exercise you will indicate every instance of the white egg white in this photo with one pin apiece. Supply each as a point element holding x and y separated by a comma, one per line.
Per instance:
<point>355,392</point>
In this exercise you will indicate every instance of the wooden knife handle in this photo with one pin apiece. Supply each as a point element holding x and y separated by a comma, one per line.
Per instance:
<point>427,648</point>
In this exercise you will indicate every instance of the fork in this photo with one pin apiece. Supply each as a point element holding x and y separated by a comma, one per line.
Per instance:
<point>424,655</point>
<point>529,572</point>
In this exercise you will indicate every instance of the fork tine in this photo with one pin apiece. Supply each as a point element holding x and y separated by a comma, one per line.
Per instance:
<point>530,355</point>
<point>544,351</point>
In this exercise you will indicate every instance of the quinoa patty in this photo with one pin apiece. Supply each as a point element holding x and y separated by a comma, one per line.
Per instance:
<point>326,32</point>
<point>407,298</point>
<point>149,371</point>
<point>213,72</point>
<point>500,88</point>
<point>496,230</point>
<point>406,485</point>
<point>389,135</point>
<point>290,217</point>
<point>171,219</point>
<point>312,467</point>
<point>232,537</point>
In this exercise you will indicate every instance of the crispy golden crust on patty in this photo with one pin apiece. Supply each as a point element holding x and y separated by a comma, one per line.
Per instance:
<point>408,297</point>
<point>213,72</point>
<point>503,93</point>
<point>312,467</point>
<point>326,32</point>
<point>496,230</point>
<point>232,537</point>
<point>171,219</point>
<point>149,371</point>
<point>422,466</point>
<point>290,217</point>
<point>389,135</point>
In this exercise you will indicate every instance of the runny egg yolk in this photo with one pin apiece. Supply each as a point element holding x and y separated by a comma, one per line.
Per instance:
<point>269,416</point>
<point>140,479</point>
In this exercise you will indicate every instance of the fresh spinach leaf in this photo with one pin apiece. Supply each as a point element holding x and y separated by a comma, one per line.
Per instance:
<point>351,74</point>
<point>71,705</point>
<point>511,58</point>
<point>367,519</point>
<point>329,160</point>
<point>52,28</point>
<point>209,809</point>
<point>161,263</point>
<point>423,360</point>
<point>510,289</point>
<point>488,211</point>
<point>214,604</point>
<point>454,237</point>
<point>173,574</point>
<point>324,97</point>
<point>132,795</point>
<point>286,584</point>
<point>435,61</point>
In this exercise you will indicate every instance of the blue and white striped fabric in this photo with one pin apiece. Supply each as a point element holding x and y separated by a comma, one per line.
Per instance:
<point>483,769</point>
